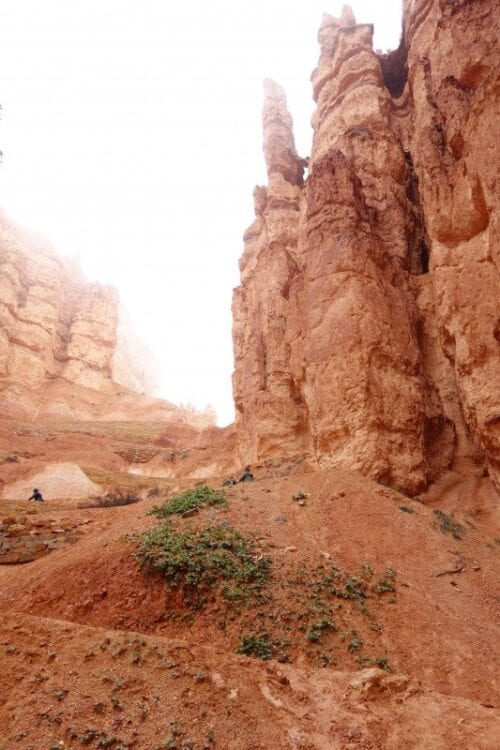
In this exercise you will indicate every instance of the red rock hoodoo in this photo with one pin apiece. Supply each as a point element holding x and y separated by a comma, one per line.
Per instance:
<point>366,326</point>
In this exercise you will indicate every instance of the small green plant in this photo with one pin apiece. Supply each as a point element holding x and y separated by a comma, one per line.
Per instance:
<point>387,583</point>
<point>217,557</point>
<point>406,509</point>
<point>366,572</point>
<point>299,495</point>
<point>318,629</point>
<point>448,525</point>
<point>354,588</point>
<point>377,661</point>
<point>325,660</point>
<point>383,663</point>
<point>256,644</point>
<point>355,641</point>
<point>190,500</point>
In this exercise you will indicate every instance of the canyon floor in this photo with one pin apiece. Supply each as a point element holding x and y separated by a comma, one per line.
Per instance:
<point>376,626</point>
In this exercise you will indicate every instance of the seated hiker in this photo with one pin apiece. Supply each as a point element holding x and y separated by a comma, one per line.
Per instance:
<point>247,475</point>
<point>37,496</point>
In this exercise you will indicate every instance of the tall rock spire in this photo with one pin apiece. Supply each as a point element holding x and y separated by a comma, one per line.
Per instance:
<point>279,144</point>
<point>367,322</point>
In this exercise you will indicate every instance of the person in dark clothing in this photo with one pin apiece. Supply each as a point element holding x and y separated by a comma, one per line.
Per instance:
<point>247,475</point>
<point>37,496</point>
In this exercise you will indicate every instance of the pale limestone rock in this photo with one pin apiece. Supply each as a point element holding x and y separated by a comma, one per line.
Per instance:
<point>55,481</point>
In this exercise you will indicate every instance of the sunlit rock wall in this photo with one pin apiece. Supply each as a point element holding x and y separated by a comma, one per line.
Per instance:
<point>366,324</point>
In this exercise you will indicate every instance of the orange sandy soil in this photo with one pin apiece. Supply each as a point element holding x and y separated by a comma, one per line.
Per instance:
<point>107,450</point>
<point>94,649</point>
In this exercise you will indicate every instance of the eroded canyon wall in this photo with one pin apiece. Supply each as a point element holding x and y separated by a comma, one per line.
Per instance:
<point>366,322</point>
<point>54,324</point>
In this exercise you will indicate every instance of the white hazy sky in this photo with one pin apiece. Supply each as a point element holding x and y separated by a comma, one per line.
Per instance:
<point>131,137</point>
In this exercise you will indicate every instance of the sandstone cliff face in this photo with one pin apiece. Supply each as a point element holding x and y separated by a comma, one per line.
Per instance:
<point>54,324</point>
<point>453,86</point>
<point>366,323</point>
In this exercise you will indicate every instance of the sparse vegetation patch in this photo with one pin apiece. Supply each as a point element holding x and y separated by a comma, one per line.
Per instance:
<point>217,558</point>
<point>317,629</point>
<point>112,499</point>
<point>190,500</point>
<point>258,645</point>
<point>448,525</point>
<point>377,661</point>
<point>387,583</point>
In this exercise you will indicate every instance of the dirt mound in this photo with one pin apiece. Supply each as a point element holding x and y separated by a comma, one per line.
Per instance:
<point>431,614</point>
<point>57,480</point>
<point>70,686</point>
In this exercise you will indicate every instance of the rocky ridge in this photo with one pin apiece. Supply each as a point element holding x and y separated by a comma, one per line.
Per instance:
<point>366,322</point>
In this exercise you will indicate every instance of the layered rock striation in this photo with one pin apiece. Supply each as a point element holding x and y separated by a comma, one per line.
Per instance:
<point>366,325</point>
<point>54,324</point>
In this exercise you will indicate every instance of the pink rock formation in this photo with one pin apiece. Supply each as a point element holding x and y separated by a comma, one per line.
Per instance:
<point>453,86</point>
<point>366,326</point>
<point>54,324</point>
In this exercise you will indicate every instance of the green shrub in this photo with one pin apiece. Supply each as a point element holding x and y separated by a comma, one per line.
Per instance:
<point>317,629</point>
<point>196,498</point>
<point>355,641</point>
<point>258,645</point>
<point>217,557</point>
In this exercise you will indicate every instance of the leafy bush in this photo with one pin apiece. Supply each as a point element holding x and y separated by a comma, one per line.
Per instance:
<point>258,645</point>
<point>217,557</point>
<point>196,498</point>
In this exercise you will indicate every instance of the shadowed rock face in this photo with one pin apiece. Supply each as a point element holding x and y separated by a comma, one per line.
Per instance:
<point>366,323</point>
<point>454,134</point>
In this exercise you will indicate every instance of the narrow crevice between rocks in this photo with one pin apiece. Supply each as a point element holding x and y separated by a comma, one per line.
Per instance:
<point>417,241</point>
<point>395,69</point>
